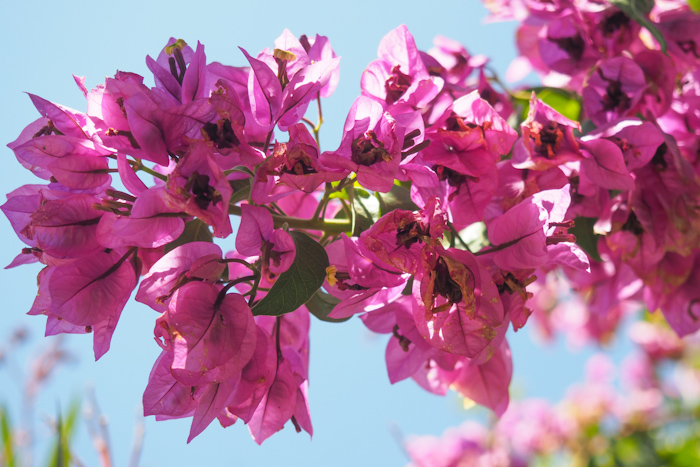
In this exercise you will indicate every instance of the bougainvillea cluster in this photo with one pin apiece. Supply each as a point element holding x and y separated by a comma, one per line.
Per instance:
<point>437,219</point>
<point>644,417</point>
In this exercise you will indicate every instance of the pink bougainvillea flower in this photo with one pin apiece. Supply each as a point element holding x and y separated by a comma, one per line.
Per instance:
<point>64,227</point>
<point>280,402</point>
<point>171,271</point>
<point>399,76</point>
<point>165,397</point>
<point>613,90</point>
<point>469,138</point>
<point>211,333</point>
<point>256,378</point>
<point>487,384</point>
<point>610,29</point>
<point>638,140</point>
<point>398,237</point>
<point>373,142</point>
<point>603,166</point>
<point>319,48</point>
<point>456,306</point>
<point>681,29</point>
<point>148,223</point>
<point>456,60</point>
<point>63,120</point>
<point>228,133</point>
<point>199,187</point>
<point>285,396</point>
<point>359,279</point>
<point>236,397</point>
<point>660,72</point>
<point>534,233</point>
<point>181,72</point>
<point>284,81</point>
<point>93,287</point>
<point>547,138</point>
<point>87,295</point>
<point>21,204</point>
<point>76,163</point>
<point>292,166</point>
<point>258,237</point>
<point>565,47</point>
<point>498,100</point>
<point>109,292</point>
<point>635,229</point>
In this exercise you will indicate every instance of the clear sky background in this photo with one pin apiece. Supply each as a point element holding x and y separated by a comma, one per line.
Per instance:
<point>357,415</point>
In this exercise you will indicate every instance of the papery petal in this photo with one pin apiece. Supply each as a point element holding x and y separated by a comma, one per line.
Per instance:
<point>92,288</point>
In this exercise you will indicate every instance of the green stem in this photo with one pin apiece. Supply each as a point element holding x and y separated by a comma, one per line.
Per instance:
<point>326,225</point>
<point>138,165</point>
<point>455,235</point>
<point>498,247</point>
<point>317,128</point>
<point>267,142</point>
<point>324,200</point>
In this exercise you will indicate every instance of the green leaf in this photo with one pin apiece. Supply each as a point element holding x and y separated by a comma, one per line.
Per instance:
<point>7,454</point>
<point>60,456</point>
<point>398,198</point>
<point>241,189</point>
<point>366,211</point>
<point>564,102</point>
<point>566,105</point>
<point>694,5</point>
<point>585,237</point>
<point>638,10</point>
<point>295,286</point>
<point>195,231</point>
<point>321,304</point>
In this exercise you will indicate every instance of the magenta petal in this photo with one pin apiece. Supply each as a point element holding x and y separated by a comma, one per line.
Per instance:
<point>92,288</point>
<point>80,172</point>
<point>209,267</point>
<point>42,301</point>
<point>102,334</point>
<point>256,226</point>
<point>212,338</point>
<point>523,226</point>
<point>277,406</point>
<point>284,249</point>
<point>256,378</point>
<point>55,326</point>
<point>164,274</point>
<point>211,403</point>
<point>194,84</point>
<point>163,77</point>
<point>302,88</point>
<point>148,225</point>
<point>462,328</point>
<point>487,384</point>
<point>570,255</point>
<point>66,228</point>
<point>22,258</point>
<point>403,364</point>
<point>301,411</point>
<point>21,204</point>
<point>264,91</point>
<point>164,395</point>
<point>140,113</point>
<point>68,121</point>
<point>128,177</point>
<point>606,168</point>
<point>381,320</point>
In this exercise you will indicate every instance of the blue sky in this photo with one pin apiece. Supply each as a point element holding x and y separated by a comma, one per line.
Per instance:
<point>357,415</point>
